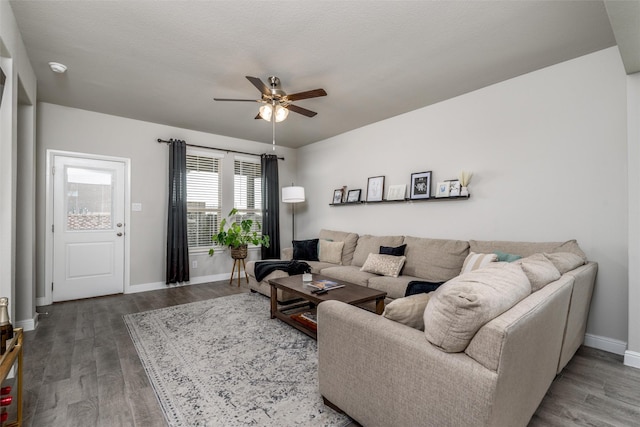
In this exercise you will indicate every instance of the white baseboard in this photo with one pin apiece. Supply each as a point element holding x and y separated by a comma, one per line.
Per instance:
<point>632,358</point>
<point>604,343</point>
<point>154,286</point>
<point>29,324</point>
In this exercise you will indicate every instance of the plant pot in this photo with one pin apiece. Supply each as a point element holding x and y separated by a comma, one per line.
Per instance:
<point>239,253</point>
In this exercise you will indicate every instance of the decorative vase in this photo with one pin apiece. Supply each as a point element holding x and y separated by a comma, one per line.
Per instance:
<point>239,253</point>
<point>464,192</point>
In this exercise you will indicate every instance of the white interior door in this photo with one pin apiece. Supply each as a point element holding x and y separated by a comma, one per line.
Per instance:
<point>88,228</point>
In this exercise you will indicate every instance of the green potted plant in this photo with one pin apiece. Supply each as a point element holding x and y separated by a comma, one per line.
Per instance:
<point>238,235</point>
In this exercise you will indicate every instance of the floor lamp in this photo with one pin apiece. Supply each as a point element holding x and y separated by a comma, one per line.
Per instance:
<point>293,195</point>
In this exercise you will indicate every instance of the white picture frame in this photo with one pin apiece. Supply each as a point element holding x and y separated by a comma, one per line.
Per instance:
<point>454,188</point>
<point>442,189</point>
<point>396,192</point>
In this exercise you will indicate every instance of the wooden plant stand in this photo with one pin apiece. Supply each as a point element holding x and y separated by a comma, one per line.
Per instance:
<point>237,263</point>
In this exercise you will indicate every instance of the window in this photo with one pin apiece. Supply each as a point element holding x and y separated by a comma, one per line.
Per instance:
<point>203,198</point>
<point>247,189</point>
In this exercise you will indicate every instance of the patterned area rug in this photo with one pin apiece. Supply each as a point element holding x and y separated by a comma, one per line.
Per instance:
<point>224,362</point>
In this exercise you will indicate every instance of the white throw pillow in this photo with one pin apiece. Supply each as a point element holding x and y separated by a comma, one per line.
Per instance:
<point>386,265</point>
<point>475,261</point>
<point>408,310</point>
<point>331,252</point>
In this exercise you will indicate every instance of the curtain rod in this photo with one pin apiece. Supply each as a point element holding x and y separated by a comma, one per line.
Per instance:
<point>226,150</point>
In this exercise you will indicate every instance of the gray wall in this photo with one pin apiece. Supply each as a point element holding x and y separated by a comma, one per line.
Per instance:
<point>17,142</point>
<point>548,151</point>
<point>69,129</point>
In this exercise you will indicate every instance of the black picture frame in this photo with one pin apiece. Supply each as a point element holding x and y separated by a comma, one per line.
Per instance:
<point>421,185</point>
<point>353,196</point>
<point>375,189</point>
<point>337,196</point>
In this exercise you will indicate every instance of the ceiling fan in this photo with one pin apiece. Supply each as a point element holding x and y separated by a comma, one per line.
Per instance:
<point>276,102</point>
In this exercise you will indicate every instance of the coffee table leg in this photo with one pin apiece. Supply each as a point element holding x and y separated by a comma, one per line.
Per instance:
<point>379,305</point>
<point>274,301</point>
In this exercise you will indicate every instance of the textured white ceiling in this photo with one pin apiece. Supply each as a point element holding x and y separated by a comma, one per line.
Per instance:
<point>164,61</point>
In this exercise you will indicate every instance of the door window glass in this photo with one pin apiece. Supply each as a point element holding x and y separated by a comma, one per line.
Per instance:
<point>89,199</point>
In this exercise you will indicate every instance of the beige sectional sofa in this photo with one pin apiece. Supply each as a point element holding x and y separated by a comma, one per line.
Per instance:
<point>382,372</point>
<point>433,260</point>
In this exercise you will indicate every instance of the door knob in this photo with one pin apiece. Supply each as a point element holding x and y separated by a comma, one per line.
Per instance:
<point>119,224</point>
<point>119,234</point>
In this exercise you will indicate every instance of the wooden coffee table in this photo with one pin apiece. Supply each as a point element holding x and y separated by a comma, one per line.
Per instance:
<point>350,294</point>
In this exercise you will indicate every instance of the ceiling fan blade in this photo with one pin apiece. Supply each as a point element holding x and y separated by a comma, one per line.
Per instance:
<point>308,94</point>
<point>229,99</point>
<point>301,110</point>
<point>259,85</point>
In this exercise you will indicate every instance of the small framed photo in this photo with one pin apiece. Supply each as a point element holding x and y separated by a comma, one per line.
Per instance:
<point>443,189</point>
<point>396,192</point>
<point>337,196</point>
<point>375,189</point>
<point>421,185</point>
<point>454,188</point>
<point>353,196</point>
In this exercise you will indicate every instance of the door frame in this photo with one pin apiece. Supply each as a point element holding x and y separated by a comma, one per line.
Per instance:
<point>47,298</point>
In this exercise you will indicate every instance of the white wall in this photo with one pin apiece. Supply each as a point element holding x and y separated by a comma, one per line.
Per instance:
<point>632,356</point>
<point>69,129</point>
<point>16,141</point>
<point>548,152</point>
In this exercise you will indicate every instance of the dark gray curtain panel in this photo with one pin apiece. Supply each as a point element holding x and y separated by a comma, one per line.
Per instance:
<point>177,243</point>
<point>270,205</point>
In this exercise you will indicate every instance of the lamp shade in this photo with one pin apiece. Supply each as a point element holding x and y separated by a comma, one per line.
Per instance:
<point>292,194</point>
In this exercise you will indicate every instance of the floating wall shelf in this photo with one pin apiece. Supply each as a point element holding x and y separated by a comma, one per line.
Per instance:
<point>432,199</point>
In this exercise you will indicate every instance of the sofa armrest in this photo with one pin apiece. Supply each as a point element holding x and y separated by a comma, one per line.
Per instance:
<point>384,373</point>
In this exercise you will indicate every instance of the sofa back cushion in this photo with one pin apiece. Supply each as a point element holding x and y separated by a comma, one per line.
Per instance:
<point>525,249</point>
<point>435,260</point>
<point>349,239</point>
<point>368,244</point>
<point>539,270</point>
<point>460,307</point>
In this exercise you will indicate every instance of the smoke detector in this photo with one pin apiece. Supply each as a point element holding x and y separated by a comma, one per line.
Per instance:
<point>57,67</point>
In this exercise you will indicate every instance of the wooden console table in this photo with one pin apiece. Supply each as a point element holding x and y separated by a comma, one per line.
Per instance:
<point>7,360</point>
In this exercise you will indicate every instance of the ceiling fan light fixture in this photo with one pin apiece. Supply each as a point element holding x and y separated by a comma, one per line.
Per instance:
<point>281,113</point>
<point>266,111</point>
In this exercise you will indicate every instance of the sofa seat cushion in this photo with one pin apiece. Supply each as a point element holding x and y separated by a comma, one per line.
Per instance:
<point>525,249</point>
<point>368,244</point>
<point>460,307</point>
<point>348,273</point>
<point>395,287</point>
<point>318,266</point>
<point>408,310</point>
<point>434,260</point>
<point>350,240</point>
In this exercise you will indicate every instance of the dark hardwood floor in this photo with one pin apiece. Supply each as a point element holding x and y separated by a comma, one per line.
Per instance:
<point>81,369</point>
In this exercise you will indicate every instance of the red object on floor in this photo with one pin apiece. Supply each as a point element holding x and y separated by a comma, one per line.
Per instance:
<point>6,401</point>
<point>5,390</point>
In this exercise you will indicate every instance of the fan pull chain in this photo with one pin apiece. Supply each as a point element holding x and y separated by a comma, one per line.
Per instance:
<point>273,126</point>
